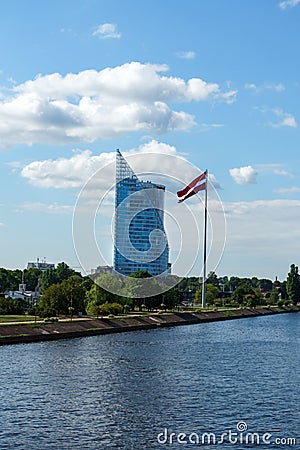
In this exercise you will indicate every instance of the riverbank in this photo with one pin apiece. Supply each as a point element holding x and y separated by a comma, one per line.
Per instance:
<point>34,332</point>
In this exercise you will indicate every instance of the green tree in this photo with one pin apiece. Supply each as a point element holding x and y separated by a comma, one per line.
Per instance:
<point>274,297</point>
<point>212,279</point>
<point>74,293</point>
<point>138,290</point>
<point>172,298</point>
<point>107,288</point>
<point>49,278</point>
<point>246,294</point>
<point>58,298</point>
<point>265,285</point>
<point>251,300</point>
<point>53,302</point>
<point>31,278</point>
<point>140,274</point>
<point>10,279</point>
<point>12,306</point>
<point>212,292</point>
<point>58,275</point>
<point>96,297</point>
<point>293,285</point>
<point>63,272</point>
<point>4,280</point>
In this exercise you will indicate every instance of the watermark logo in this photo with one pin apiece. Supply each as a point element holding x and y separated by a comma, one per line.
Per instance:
<point>238,436</point>
<point>97,234</point>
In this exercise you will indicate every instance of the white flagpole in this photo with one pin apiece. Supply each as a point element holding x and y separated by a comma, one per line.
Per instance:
<point>204,246</point>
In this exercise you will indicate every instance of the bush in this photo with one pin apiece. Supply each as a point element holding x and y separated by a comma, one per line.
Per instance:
<point>12,306</point>
<point>51,320</point>
<point>110,308</point>
<point>116,308</point>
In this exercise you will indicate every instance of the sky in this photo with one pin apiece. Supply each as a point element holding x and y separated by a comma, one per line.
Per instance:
<point>209,84</point>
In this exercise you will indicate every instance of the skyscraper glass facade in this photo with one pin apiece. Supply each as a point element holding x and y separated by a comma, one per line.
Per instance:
<point>140,241</point>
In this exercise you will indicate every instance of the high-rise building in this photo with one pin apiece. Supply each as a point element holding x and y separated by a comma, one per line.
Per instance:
<point>140,241</point>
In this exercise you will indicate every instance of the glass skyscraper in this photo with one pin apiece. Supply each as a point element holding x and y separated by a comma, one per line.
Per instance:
<point>140,241</point>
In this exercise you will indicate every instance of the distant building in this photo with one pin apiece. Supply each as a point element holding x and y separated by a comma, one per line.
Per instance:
<point>140,241</point>
<point>102,269</point>
<point>41,265</point>
<point>29,296</point>
<point>24,295</point>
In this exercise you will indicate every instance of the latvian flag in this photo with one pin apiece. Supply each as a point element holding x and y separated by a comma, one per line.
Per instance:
<point>198,184</point>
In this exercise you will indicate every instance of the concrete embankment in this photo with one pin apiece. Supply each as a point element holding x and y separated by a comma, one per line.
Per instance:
<point>34,332</point>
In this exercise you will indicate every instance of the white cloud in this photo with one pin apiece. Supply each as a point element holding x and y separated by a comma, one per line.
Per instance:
<point>283,119</point>
<point>153,160</point>
<point>288,3</point>
<point>250,86</point>
<point>283,172</point>
<point>107,31</point>
<point>65,172</point>
<point>210,126</point>
<point>274,168</point>
<point>244,175</point>
<point>47,208</point>
<point>229,97</point>
<point>94,104</point>
<point>289,121</point>
<point>291,190</point>
<point>214,181</point>
<point>186,55</point>
<point>279,87</point>
<point>75,171</point>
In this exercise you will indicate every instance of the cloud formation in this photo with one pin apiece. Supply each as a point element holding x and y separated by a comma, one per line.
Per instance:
<point>244,175</point>
<point>74,172</point>
<point>283,119</point>
<point>279,87</point>
<point>283,172</point>
<point>291,190</point>
<point>47,208</point>
<point>274,168</point>
<point>92,104</point>
<point>288,3</point>
<point>186,55</point>
<point>107,31</point>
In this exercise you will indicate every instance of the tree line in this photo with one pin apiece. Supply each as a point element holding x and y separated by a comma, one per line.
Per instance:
<point>67,292</point>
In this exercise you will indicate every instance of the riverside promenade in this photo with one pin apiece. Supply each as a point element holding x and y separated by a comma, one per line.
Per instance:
<point>16,333</point>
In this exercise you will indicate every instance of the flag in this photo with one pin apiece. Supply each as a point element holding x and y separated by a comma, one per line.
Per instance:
<point>198,184</point>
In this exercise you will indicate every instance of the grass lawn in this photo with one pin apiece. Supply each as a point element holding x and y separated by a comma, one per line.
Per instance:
<point>21,318</point>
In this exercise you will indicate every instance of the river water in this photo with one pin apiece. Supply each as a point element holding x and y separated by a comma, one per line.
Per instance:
<point>156,389</point>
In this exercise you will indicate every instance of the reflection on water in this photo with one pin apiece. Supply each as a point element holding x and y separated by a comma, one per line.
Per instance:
<point>119,391</point>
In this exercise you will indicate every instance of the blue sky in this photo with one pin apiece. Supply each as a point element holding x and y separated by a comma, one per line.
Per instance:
<point>215,82</point>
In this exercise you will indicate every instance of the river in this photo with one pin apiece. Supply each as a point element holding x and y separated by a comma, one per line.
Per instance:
<point>156,389</point>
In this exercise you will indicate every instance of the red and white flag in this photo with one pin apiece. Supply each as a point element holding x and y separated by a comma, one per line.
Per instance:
<point>198,184</point>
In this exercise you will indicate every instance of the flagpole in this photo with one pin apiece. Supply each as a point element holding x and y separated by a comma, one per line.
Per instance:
<point>204,246</point>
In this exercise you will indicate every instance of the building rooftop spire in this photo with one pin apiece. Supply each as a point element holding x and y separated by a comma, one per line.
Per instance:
<point>123,169</point>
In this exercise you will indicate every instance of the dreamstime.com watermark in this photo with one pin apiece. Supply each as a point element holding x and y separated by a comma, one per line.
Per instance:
<point>239,436</point>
